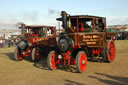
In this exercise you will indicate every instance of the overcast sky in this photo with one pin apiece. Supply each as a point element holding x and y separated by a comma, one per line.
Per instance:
<point>46,11</point>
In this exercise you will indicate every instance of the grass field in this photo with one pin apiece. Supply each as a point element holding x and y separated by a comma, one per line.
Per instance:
<point>97,73</point>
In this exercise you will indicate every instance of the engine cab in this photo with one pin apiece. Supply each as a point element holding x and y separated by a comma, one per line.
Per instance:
<point>82,36</point>
<point>34,39</point>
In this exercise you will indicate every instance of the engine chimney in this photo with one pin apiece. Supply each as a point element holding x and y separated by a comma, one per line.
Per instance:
<point>64,20</point>
<point>23,29</point>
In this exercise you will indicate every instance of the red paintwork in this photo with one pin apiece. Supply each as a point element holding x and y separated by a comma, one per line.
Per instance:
<point>111,51</point>
<point>82,27</point>
<point>67,57</point>
<point>58,61</point>
<point>35,40</point>
<point>19,55</point>
<point>53,61</point>
<point>97,51</point>
<point>26,55</point>
<point>30,36</point>
<point>20,58</point>
<point>28,51</point>
<point>73,61</point>
<point>96,42</point>
<point>83,66</point>
<point>37,55</point>
<point>76,46</point>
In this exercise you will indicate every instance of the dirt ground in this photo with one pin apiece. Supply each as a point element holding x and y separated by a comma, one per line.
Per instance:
<point>97,73</point>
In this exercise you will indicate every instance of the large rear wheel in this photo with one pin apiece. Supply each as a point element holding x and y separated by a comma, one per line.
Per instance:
<point>51,60</point>
<point>109,51</point>
<point>18,55</point>
<point>35,54</point>
<point>81,61</point>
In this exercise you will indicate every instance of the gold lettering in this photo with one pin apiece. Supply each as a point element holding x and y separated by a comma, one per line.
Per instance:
<point>88,43</point>
<point>85,40</point>
<point>39,39</point>
<point>87,36</point>
<point>95,36</point>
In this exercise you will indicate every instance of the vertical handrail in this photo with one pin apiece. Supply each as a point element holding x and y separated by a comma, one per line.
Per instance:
<point>77,32</point>
<point>59,28</point>
<point>94,25</point>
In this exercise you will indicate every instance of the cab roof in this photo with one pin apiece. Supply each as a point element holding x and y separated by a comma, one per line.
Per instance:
<point>39,26</point>
<point>82,16</point>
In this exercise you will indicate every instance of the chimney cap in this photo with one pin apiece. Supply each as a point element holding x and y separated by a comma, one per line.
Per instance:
<point>63,13</point>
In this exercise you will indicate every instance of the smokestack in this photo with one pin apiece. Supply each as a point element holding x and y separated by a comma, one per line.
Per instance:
<point>23,29</point>
<point>4,36</point>
<point>64,20</point>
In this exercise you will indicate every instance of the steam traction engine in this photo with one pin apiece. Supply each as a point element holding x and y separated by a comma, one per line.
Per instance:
<point>34,40</point>
<point>83,36</point>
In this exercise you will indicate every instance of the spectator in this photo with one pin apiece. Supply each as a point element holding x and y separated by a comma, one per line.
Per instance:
<point>3,42</point>
<point>127,35</point>
<point>0,43</point>
<point>118,36</point>
<point>17,40</point>
<point>12,42</point>
<point>9,42</point>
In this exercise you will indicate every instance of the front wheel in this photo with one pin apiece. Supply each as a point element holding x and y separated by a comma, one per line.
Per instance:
<point>81,61</point>
<point>51,60</point>
<point>35,54</point>
<point>18,55</point>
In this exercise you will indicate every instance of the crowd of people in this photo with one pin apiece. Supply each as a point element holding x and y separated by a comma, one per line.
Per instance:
<point>122,36</point>
<point>8,42</point>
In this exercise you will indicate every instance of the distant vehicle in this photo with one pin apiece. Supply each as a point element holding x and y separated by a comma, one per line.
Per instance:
<point>35,39</point>
<point>83,36</point>
<point>121,35</point>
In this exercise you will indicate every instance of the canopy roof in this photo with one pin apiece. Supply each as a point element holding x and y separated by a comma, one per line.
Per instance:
<point>82,16</point>
<point>39,26</point>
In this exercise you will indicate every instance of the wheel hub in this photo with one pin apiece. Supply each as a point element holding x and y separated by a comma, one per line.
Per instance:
<point>83,62</point>
<point>59,56</point>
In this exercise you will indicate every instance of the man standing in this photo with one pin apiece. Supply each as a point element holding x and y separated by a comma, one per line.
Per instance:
<point>9,42</point>
<point>0,43</point>
<point>127,35</point>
